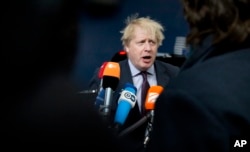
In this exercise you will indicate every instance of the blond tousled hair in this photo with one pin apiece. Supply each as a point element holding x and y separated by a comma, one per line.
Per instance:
<point>146,23</point>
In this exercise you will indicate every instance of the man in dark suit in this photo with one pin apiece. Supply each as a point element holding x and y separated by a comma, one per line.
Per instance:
<point>206,108</point>
<point>141,39</point>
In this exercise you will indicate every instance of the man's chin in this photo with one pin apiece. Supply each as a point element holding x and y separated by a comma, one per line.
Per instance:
<point>146,65</point>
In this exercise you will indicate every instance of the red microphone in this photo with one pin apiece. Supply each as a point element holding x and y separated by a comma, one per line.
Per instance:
<point>100,74</point>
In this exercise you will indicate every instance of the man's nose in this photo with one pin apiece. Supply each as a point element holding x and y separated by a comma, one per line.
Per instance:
<point>148,46</point>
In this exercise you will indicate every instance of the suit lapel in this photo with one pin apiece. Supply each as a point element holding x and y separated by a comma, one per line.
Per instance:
<point>161,74</point>
<point>126,77</point>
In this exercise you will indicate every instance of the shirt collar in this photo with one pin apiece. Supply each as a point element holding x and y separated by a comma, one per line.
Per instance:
<point>135,71</point>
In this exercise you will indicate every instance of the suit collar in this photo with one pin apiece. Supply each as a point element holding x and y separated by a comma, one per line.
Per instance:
<point>161,73</point>
<point>135,71</point>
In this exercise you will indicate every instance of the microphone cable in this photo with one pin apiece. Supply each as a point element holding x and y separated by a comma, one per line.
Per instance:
<point>134,126</point>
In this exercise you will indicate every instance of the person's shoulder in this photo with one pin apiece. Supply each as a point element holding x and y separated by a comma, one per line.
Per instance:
<point>123,63</point>
<point>167,65</point>
<point>171,69</point>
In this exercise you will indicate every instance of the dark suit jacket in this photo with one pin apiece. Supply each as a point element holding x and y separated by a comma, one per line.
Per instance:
<point>207,106</point>
<point>164,72</point>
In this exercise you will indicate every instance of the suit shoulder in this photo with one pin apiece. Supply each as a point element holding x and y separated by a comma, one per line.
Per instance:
<point>169,69</point>
<point>123,62</point>
<point>167,65</point>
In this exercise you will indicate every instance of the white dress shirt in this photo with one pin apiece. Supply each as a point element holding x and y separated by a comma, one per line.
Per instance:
<point>137,79</point>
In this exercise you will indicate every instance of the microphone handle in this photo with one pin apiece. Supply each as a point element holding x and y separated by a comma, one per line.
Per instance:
<point>151,113</point>
<point>107,101</point>
<point>149,128</point>
<point>134,126</point>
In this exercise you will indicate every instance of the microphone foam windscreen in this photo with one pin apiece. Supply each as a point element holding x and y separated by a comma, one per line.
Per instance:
<point>101,70</point>
<point>111,75</point>
<point>125,103</point>
<point>152,95</point>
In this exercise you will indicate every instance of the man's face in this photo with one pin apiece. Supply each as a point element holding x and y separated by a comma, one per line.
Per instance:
<point>142,49</point>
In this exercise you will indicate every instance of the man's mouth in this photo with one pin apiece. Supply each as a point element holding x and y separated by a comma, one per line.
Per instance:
<point>146,57</point>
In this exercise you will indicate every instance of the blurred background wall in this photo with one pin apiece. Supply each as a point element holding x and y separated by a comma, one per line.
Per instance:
<point>101,22</point>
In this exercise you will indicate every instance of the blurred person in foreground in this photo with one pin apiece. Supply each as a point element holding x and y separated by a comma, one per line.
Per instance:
<point>141,38</point>
<point>40,107</point>
<point>207,106</point>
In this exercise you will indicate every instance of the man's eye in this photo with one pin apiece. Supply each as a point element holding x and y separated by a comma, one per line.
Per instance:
<point>142,42</point>
<point>152,41</point>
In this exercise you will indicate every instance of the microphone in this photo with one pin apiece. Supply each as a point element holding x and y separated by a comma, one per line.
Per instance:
<point>101,70</point>
<point>100,74</point>
<point>101,92</point>
<point>99,101</point>
<point>152,96</point>
<point>111,77</point>
<point>125,103</point>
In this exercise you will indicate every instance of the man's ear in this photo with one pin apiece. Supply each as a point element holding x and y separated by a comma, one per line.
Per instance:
<point>126,49</point>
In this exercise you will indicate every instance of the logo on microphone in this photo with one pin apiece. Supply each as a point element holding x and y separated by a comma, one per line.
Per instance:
<point>152,97</point>
<point>110,65</point>
<point>130,96</point>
